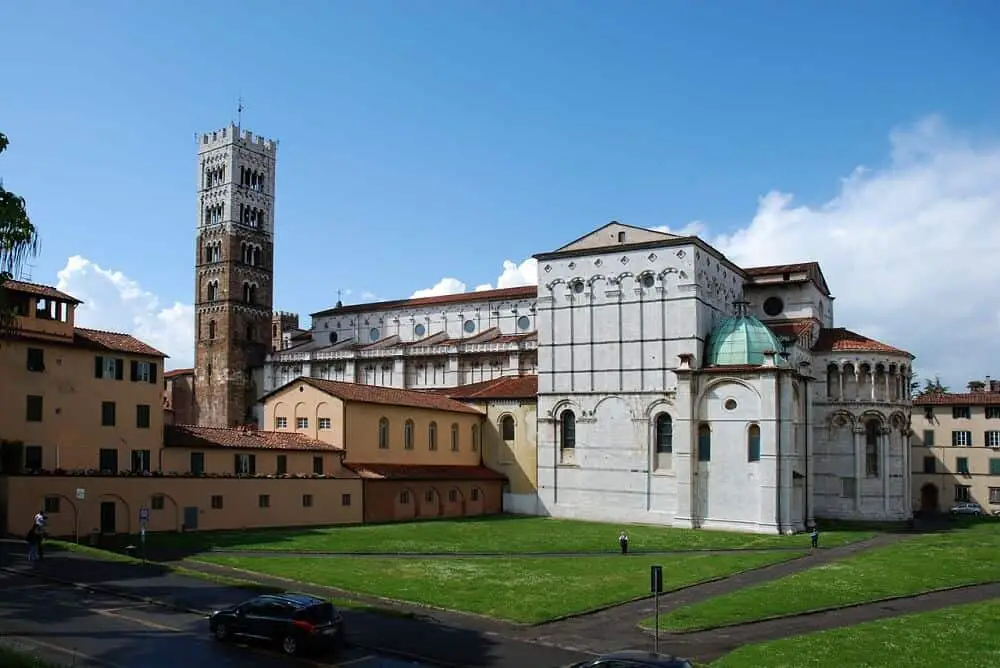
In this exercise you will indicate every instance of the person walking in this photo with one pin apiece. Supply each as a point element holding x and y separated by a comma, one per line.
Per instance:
<point>33,539</point>
<point>814,537</point>
<point>40,521</point>
<point>623,542</point>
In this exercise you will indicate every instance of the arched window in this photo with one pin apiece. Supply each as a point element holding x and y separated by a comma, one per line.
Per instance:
<point>213,291</point>
<point>664,434</point>
<point>249,333</point>
<point>507,428</point>
<point>704,443</point>
<point>211,329</point>
<point>753,443</point>
<point>383,434</point>
<point>255,259</point>
<point>475,438</point>
<point>408,435</point>
<point>454,437</point>
<point>871,448</point>
<point>432,436</point>
<point>248,293</point>
<point>567,430</point>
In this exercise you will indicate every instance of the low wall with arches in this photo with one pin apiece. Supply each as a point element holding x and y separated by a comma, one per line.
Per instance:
<point>406,500</point>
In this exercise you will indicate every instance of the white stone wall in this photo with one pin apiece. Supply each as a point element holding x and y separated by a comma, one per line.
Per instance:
<point>801,300</point>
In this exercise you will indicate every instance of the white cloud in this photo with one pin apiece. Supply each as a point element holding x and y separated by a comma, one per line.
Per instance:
<point>512,275</point>
<point>115,302</point>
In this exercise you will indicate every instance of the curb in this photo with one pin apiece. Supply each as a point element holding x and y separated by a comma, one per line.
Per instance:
<point>204,613</point>
<point>819,611</point>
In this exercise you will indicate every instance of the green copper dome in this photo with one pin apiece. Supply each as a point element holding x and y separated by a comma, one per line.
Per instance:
<point>740,340</point>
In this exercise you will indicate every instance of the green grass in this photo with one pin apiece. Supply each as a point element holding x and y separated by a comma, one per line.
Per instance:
<point>933,561</point>
<point>965,635</point>
<point>13,659</point>
<point>521,589</point>
<point>505,534</point>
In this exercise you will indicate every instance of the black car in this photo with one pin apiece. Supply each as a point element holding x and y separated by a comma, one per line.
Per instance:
<point>297,623</point>
<point>634,659</point>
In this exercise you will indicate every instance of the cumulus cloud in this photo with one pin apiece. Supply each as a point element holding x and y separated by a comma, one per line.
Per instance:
<point>115,302</point>
<point>512,275</point>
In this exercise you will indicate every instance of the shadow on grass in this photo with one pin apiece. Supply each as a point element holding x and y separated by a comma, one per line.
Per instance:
<point>922,523</point>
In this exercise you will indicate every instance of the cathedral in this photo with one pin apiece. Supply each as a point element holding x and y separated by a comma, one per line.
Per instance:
<point>673,386</point>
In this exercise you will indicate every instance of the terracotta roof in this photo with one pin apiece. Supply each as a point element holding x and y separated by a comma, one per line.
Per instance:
<point>515,338</point>
<point>523,292</point>
<point>124,343</point>
<point>841,340</point>
<point>384,342</point>
<point>39,291</point>
<point>173,373</point>
<point>374,394</point>
<point>435,339</point>
<point>507,387</point>
<point>958,399</point>
<point>791,328</point>
<point>411,472</point>
<point>189,436</point>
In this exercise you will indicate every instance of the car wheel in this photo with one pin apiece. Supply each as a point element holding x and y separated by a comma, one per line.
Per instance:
<point>289,645</point>
<point>221,632</point>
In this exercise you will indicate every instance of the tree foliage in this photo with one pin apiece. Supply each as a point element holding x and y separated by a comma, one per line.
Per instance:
<point>933,386</point>
<point>18,242</point>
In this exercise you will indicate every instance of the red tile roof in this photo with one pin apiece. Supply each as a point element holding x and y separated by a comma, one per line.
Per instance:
<point>374,394</point>
<point>515,338</point>
<point>839,339</point>
<point>189,436</point>
<point>124,343</point>
<point>523,292</point>
<point>958,399</point>
<point>508,387</point>
<point>795,328</point>
<point>38,290</point>
<point>412,472</point>
<point>436,339</point>
<point>173,373</point>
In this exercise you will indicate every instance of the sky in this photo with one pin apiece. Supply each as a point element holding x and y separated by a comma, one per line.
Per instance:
<point>433,147</point>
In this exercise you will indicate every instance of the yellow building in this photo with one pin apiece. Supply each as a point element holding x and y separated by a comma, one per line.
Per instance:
<point>82,437</point>
<point>956,450</point>
<point>509,434</point>
<point>419,453</point>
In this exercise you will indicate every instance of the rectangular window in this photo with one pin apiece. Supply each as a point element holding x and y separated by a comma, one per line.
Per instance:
<point>245,464</point>
<point>264,501</point>
<point>197,463</point>
<point>962,439</point>
<point>111,368</point>
<point>36,359</point>
<point>993,439</point>
<point>301,423</point>
<point>142,416</point>
<point>33,457</point>
<point>995,496</point>
<point>107,414</point>
<point>217,502</point>
<point>963,493</point>
<point>52,504</point>
<point>993,412</point>
<point>140,461</point>
<point>848,488</point>
<point>325,423</point>
<point>307,500</point>
<point>930,464</point>
<point>404,497</point>
<point>452,496</point>
<point>33,409</point>
<point>475,494</point>
<point>753,444</point>
<point>318,465</point>
<point>142,372</point>
<point>108,462</point>
<point>961,412</point>
<point>280,423</point>
<point>704,444</point>
<point>282,464</point>
<point>994,466</point>
<point>156,503</point>
<point>345,499</point>
<point>962,465</point>
<point>429,496</point>
<point>454,438</point>
<point>928,438</point>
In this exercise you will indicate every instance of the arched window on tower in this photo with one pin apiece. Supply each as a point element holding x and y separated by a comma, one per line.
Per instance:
<point>753,443</point>
<point>213,291</point>
<point>211,329</point>
<point>256,256</point>
<point>664,434</point>
<point>567,430</point>
<point>872,429</point>
<point>249,332</point>
<point>247,293</point>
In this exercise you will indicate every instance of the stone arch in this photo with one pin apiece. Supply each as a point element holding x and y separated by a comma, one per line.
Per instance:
<point>595,278</point>
<point>174,521</point>
<point>123,513</point>
<point>406,505</point>
<point>658,406</point>
<point>299,411</point>
<point>322,409</point>
<point>662,433</point>
<point>612,397</point>
<point>872,415</point>
<point>841,418</point>
<point>930,498</point>
<point>476,504</point>
<point>725,380</point>
<point>456,507</point>
<point>833,380</point>
<point>564,404</point>
<point>430,503</point>
<point>280,411</point>
<point>849,380</point>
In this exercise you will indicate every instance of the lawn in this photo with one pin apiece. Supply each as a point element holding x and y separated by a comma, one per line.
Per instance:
<point>523,589</point>
<point>503,534</point>
<point>914,565</point>
<point>12,659</point>
<point>964,635</point>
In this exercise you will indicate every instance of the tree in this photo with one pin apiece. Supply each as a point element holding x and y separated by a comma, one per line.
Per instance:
<point>934,387</point>
<point>976,386</point>
<point>18,241</point>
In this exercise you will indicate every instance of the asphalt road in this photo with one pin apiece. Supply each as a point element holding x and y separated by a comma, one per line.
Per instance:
<point>70,626</point>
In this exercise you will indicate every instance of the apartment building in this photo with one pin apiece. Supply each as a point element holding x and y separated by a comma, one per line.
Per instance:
<point>956,448</point>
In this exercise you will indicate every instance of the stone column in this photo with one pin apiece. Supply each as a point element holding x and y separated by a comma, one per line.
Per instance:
<point>685,430</point>
<point>885,448</point>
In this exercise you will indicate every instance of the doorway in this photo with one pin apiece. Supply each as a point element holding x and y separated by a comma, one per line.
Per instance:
<point>108,517</point>
<point>190,518</point>
<point>929,498</point>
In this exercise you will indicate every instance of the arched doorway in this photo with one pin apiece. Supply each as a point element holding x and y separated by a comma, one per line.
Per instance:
<point>929,498</point>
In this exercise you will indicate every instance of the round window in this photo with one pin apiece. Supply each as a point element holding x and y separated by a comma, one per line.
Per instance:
<point>419,330</point>
<point>524,322</point>
<point>730,404</point>
<point>773,306</point>
<point>469,327</point>
<point>373,334</point>
<point>648,280</point>
<point>578,287</point>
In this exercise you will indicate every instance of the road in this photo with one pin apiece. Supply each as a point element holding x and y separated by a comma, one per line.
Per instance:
<point>69,626</point>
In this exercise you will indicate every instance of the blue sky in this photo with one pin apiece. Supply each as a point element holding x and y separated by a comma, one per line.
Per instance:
<point>428,139</point>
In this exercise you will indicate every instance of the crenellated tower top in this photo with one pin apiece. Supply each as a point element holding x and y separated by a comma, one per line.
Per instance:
<point>233,134</point>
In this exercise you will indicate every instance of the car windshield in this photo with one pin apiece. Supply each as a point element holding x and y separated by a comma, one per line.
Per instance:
<point>321,613</point>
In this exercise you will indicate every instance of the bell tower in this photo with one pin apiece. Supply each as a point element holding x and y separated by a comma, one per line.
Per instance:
<point>234,271</point>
